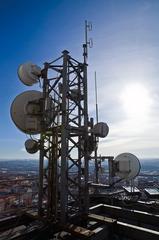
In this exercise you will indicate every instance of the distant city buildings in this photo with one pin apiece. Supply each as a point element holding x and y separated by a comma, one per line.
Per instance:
<point>19,184</point>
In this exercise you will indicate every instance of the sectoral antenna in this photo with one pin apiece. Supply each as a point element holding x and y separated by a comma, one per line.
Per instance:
<point>88,43</point>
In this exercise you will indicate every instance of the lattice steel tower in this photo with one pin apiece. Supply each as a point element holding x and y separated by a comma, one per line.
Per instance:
<point>64,143</point>
<point>59,113</point>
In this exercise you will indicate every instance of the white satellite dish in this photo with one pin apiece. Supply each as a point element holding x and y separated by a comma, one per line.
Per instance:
<point>25,112</point>
<point>29,73</point>
<point>127,166</point>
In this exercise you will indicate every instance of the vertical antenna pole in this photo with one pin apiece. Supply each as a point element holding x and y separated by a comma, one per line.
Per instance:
<point>96,98</point>
<point>96,153</point>
<point>86,40</point>
<point>86,154</point>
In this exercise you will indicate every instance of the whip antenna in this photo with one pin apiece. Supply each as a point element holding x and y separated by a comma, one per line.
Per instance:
<point>96,96</point>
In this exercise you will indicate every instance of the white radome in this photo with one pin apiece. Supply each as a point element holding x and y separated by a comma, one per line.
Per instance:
<point>128,166</point>
<point>25,116</point>
<point>29,73</point>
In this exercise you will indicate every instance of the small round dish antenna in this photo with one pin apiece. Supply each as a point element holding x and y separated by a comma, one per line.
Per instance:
<point>31,146</point>
<point>26,112</point>
<point>29,73</point>
<point>100,129</point>
<point>127,166</point>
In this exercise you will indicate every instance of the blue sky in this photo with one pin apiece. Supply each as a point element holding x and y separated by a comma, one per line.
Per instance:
<point>125,56</point>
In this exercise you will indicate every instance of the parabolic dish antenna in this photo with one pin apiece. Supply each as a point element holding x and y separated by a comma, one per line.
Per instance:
<point>127,166</point>
<point>101,129</point>
<point>31,146</point>
<point>25,112</point>
<point>29,73</point>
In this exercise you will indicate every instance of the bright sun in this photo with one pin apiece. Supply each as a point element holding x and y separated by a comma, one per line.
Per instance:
<point>136,100</point>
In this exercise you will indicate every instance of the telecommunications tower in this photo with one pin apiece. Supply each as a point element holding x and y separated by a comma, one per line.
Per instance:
<point>67,136</point>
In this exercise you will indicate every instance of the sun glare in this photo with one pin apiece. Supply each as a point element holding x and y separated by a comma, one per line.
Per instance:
<point>136,101</point>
